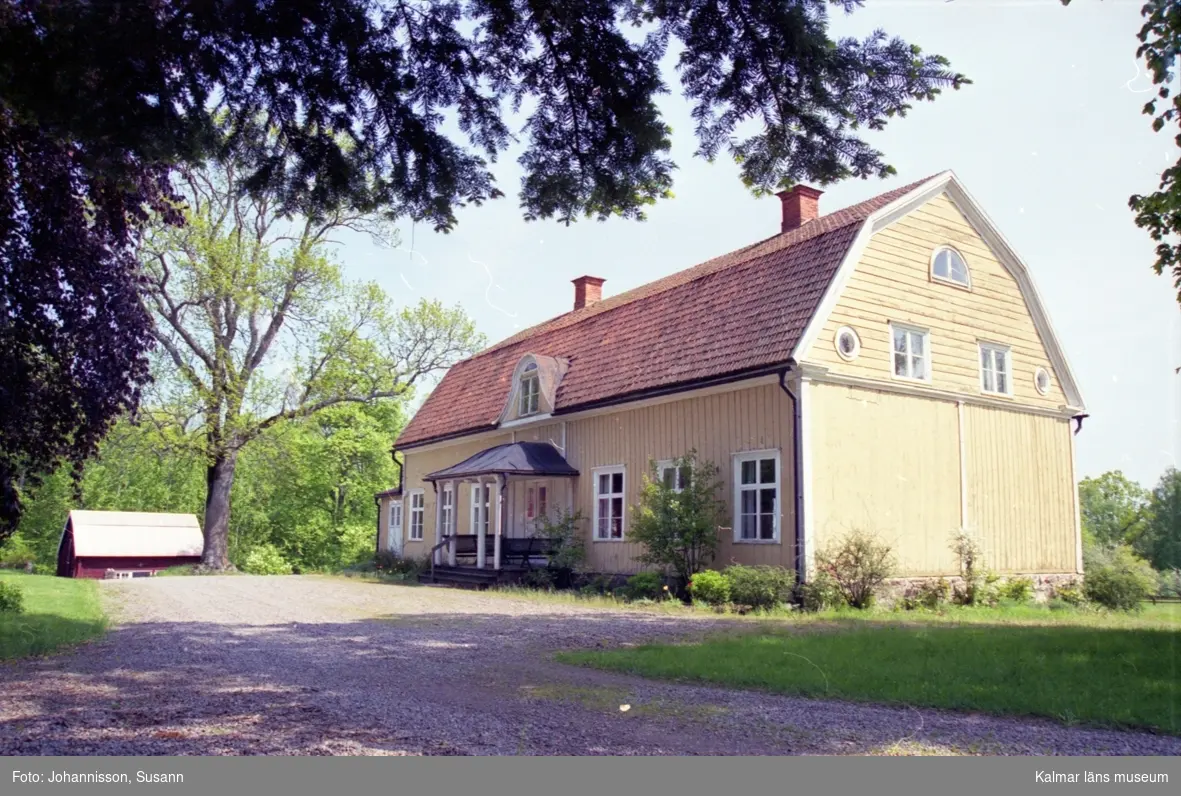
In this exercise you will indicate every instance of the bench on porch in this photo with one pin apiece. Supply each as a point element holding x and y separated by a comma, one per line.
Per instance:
<point>512,550</point>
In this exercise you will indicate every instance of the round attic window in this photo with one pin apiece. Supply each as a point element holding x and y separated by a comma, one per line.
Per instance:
<point>848,344</point>
<point>1041,380</point>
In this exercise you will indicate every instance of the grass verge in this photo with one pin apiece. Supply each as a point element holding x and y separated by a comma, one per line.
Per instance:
<point>59,612</point>
<point>1113,675</point>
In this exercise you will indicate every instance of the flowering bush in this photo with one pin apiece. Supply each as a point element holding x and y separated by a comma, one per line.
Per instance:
<point>857,565</point>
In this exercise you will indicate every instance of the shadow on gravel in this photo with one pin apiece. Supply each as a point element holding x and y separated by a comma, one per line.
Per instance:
<point>421,684</point>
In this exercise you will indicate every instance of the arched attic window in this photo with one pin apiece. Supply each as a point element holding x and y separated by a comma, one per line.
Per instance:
<point>530,391</point>
<point>947,265</point>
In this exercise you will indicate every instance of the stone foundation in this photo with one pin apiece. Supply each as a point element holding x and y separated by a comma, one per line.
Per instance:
<point>1043,585</point>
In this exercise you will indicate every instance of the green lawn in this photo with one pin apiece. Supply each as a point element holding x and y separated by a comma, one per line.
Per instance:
<point>1107,670</point>
<point>58,612</point>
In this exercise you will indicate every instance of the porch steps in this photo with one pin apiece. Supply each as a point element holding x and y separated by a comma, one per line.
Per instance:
<point>469,577</point>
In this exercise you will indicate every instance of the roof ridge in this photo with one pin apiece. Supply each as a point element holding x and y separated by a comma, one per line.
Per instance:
<point>855,213</point>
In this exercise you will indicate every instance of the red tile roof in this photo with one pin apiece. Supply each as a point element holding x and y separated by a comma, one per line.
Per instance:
<point>729,315</point>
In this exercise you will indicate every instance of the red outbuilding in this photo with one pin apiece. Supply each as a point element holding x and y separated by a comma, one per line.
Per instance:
<point>126,544</point>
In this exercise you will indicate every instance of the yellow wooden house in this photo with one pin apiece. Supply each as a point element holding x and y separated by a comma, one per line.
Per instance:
<point>887,367</point>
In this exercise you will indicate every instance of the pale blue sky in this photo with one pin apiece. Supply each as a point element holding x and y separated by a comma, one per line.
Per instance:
<point>1049,138</point>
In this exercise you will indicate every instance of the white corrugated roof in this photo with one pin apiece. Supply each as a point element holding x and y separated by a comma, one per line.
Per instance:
<point>135,533</point>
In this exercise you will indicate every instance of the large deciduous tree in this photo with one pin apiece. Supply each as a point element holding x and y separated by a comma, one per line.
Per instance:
<point>99,101</point>
<point>1113,509</point>
<point>1161,541</point>
<point>260,328</point>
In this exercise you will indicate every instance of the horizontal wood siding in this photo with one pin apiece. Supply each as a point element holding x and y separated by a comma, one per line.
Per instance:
<point>1021,492</point>
<point>717,426</point>
<point>887,464</point>
<point>892,283</point>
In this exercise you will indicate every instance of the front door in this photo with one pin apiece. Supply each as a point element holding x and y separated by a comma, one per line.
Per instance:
<point>394,532</point>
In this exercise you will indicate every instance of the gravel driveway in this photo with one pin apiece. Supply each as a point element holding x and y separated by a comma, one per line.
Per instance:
<point>308,665</point>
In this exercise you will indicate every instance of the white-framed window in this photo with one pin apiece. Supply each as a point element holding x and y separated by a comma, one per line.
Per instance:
<point>481,495</point>
<point>536,501</point>
<point>994,369</point>
<point>395,529</point>
<point>609,486</point>
<point>947,265</point>
<point>448,507</point>
<point>417,514</point>
<point>912,352</point>
<point>530,391</point>
<point>1042,381</point>
<point>847,343</point>
<point>756,496</point>
<point>673,477</point>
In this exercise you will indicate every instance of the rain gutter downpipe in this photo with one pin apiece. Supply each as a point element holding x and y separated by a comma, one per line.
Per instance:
<point>797,470</point>
<point>377,499</point>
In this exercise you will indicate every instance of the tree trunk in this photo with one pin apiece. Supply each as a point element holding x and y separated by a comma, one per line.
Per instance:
<point>219,479</point>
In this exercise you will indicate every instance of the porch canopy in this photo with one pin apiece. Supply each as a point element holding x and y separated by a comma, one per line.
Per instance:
<point>516,460</point>
<point>530,459</point>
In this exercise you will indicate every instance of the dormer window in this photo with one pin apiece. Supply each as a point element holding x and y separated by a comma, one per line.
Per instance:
<point>530,390</point>
<point>948,265</point>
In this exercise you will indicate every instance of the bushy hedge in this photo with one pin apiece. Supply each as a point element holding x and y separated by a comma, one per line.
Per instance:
<point>1016,589</point>
<point>857,566</point>
<point>645,586</point>
<point>760,586</point>
<point>12,598</point>
<point>710,587</point>
<point>1119,579</point>
<point>265,559</point>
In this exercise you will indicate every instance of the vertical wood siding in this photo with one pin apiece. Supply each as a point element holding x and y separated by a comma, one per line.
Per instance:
<point>420,463</point>
<point>887,464</point>
<point>1021,491</point>
<point>717,426</point>
<point>890,464</point>
<point>892,282</point>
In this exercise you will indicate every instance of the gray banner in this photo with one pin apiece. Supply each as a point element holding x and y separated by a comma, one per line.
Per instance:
<point>261,776</point>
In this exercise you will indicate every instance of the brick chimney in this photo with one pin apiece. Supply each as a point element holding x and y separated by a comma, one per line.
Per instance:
<point>800,205</point>
<point>588,290</point>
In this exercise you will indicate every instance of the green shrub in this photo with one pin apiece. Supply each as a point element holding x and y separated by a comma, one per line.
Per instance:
<point>538,579</point>
<point>980,588</point>
<point>600,584</point>
<point>1018,590</point>
<point>1069,594</point>
<point>858,565</point>
<point>567,541</point>
<point>1119,580</point>
<point>929,594</point>
<point>386,563</point>
<point>1170,583</point>
<point>678,528</point>
<point>759,586</point>
<point>12,599</point>
<point>710,587</point>
<point>645,585</point>
<point>16,553</point>
<point>265,559</point>
<point>820,592</point>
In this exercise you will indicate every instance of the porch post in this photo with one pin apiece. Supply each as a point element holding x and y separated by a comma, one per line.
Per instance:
<point>500,505</point>
<point>438,518</point>
<point>481,520</point>
<point>451,538</point>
